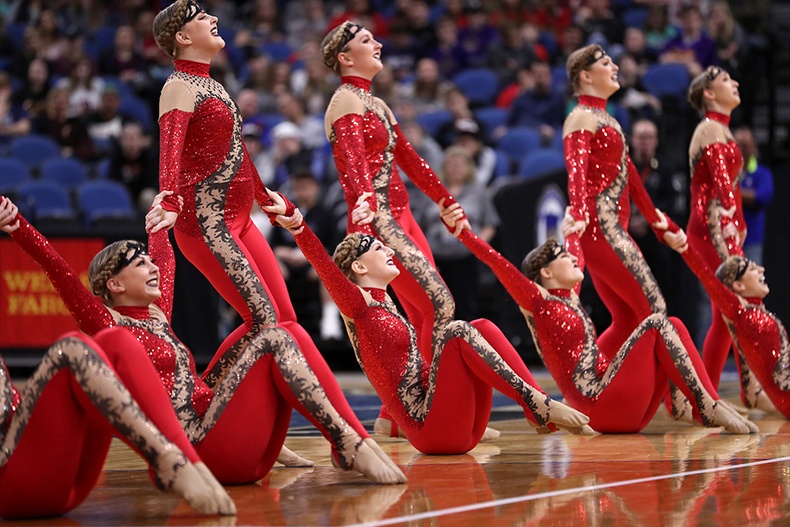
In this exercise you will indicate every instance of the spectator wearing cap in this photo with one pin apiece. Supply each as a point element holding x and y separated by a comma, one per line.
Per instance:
<point>290,155</point>
<point>470,137</point>
<point>458,105</point>
<point>260,155</point>
<point>135,163</point>
<point>311,128</point>
<point>105,123</point>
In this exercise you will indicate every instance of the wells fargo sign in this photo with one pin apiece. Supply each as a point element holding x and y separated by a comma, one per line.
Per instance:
<point>31,312</point>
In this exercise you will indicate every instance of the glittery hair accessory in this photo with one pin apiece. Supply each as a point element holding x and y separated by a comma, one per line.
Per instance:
<point>743,265</point>
<point>556,251</point>
<point>349,33</point>
<point>365,243</point>
<point>711,73</point>
<point>137,248</point>
<point>597,54</point>
<point>193,9</point>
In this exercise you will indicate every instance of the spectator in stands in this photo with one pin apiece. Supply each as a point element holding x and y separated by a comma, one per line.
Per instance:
<point>125,62</point>
<point>105,123</point>
<point>361,11</point>
<point>13,119</point>
<point>311,128</point>
<point>571,39</point>
<point>635,44</point>
<point>458,104</point>
<point>599,22</point>
<point>260,78</point>
<point>478,36</point>
<point>458,267</point>
<point>658,30</point>
<point>53,42</point>
<point>514,54</point>
<point>667,185</point>
<point>448,53</point>
<point>402,50</point>
<point>692,47</point>
<point>32,95</point>
<point>757,191</point>
<point>291,155</point>
<point>84,87</point>
<point>427,89</point>
<point>470,135</point>
<point>632,95</point>
<point>71,133</point>
<point>303,282</point>
<point>317,87</point>
<point>248,103</point>
<point>540,106</point>
<point>304,20</point>
<point>551,15</point>
<point>134,162</point>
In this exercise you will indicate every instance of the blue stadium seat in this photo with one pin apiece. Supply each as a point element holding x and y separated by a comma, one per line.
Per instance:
<point>46,199</point>
<point>99,200</point>
<point>541,161</point>
<point>479,85</point>
<point>12,173</point>
<point>137,109</point>
<point>518,141</point>
<point>491,117</point>
<point>277,51</point>
<point>64,170</point>
<point>432,121</point>
<point>33,150</point>
<point>667,79</point>
<point>634,17</point>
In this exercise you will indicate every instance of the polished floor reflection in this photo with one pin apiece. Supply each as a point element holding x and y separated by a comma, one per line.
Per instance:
<point>672,474</point>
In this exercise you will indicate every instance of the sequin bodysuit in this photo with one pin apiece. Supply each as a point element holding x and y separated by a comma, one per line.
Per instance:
<point>367,146</point>
<point>442,406</point>
<point>759,336</point>
<point>269,378</point>
<point>601,176</point>
<point>621,393</point>
<point>715,163</point>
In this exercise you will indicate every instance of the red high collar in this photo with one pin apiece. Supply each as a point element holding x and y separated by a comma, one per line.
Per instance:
<point>195,68</point>
<point>138,313</point>
<point>595,102</point>
<point>359,82</point>
<point>718,117</point>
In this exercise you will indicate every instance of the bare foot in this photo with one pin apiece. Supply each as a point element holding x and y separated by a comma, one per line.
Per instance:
<point>291,459</point>
<point>224,501</point>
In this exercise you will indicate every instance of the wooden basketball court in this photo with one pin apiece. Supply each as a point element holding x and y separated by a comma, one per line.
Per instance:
<point>672,474</point>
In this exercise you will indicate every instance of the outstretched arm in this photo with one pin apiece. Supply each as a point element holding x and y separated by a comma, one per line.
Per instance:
<point>722,296</point>
<point>87,310</point>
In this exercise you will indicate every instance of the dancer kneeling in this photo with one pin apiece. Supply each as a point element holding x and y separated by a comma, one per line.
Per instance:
<point>621,394</point>
<point>442,407</point>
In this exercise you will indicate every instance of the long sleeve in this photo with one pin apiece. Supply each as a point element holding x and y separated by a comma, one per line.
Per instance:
<point>87,310</point>
<point>418,170</point>
<point>346,294</point>
<point>714,156</point>
<point>262,196</point>
<point>722,296</point>
<point>639,194</point>
<point>574,246</point>
<point>522,289</point>
<point>349,152</point>
<point>577,155</point>
<point>161,252</point>
<point>172,134</point>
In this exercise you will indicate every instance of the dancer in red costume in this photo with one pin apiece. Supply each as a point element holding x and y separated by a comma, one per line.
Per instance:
<point>237,425</point>
<point>716,227</point>
<point>443,405</point>
<point>620,391</point>
<point>204,161</point>
<point>56,431</point>
<point>601,177</point>
<point>368,144</point>
<point>738,288</point>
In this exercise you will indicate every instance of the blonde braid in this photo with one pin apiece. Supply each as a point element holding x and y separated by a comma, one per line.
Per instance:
<point>330,46</point>
<point>103,267</point>
<point>536,259</point>
<point>167,23</point>
<point>346,254</point>
<point>729,268</point>
<point>579,61</point>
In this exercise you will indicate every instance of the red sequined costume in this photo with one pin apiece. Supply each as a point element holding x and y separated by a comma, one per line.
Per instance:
<point>759,337</point>
<point>620,393</point>
<point>367,145</point>
<point>56,432</point>
<point>442,406</point>
<point>715,162</point>
<point>238,423</point>
<point>601,176</point>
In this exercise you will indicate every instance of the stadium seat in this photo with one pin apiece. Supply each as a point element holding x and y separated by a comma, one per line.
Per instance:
<point>541,161</point>
<point>64,170</point>
<point>491,117</point>
<point>518,141</point>
<point>105,199</point>
<point>666,79</point>
<point>46,199</point>
<point>12,173</point>
<point>479,85</point>
<point>33,150</point>
<point>432,121</point>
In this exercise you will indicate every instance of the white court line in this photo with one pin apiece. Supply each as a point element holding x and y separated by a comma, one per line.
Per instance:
<point>541,495</point>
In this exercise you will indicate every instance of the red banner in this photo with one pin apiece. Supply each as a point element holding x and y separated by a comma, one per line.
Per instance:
<point>31,312</point>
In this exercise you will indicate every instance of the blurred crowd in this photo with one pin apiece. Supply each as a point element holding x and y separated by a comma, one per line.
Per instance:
<point>474,84</point>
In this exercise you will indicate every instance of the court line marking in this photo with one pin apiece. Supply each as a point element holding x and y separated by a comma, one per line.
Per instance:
<point>541,495</point>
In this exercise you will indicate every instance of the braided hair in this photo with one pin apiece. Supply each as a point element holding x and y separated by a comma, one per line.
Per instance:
<point>167,23</point>
<point>538,258</point>
<point>580,60</point>
<point>108,262</point>
<point>336,42</point>
<point>701,83</point>
<point>732,269</point>
<point>349,250</point>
